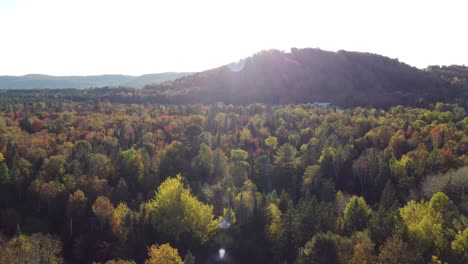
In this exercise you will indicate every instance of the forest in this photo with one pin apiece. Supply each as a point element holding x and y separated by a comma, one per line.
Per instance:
<point>119,178</point>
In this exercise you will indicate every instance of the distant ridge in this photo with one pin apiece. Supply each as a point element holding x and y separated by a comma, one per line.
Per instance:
<point>33,81</point>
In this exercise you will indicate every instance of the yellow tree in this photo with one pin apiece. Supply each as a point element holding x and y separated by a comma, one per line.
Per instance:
<point>37,248</point>
<point>272,142</point>
<point>425,226</point>
<point>460,244</point>
<point>363,249</point>
<point>49,192</point>
<point>164,254</point>
<point>120,220</point>
<point>76,206</point>
<point>176,211</point>
<point>103,209</point>
<point>273,216</point>
<point>397,251</point>
<point>4,172</point>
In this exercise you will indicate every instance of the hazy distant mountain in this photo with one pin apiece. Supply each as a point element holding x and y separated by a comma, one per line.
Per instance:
<point>307,75</point>
<point>33,81</point>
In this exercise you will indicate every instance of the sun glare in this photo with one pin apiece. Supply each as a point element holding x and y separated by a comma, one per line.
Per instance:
<point>138,37</point>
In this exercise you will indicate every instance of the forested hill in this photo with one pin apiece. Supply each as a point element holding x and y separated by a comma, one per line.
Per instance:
<point>33,81</point>
<point>306,75</point>
<point>343,78</point>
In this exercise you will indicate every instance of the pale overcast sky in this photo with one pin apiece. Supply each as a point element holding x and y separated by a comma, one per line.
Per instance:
<point>86,37</point>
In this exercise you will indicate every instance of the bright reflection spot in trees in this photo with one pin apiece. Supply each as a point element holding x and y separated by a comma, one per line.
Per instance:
<point>221,252</point>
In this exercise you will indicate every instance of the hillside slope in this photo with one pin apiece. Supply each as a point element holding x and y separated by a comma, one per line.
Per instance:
<point>307,75</point>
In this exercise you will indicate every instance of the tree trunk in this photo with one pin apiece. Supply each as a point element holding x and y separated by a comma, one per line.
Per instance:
<point>71,226</point>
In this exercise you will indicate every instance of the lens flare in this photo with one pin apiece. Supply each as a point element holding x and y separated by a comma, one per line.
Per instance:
<point>221,252</point>
<point>237,66</point>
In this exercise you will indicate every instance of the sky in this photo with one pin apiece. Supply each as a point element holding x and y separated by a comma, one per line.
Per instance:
<point>90,37</point>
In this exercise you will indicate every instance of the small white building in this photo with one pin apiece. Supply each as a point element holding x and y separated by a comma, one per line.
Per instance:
<point>322,104</point>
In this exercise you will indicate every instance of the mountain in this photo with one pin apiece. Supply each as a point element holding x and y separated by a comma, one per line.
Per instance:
<point>307,75</point>
<point>343,78</point>
<point>33,81</point>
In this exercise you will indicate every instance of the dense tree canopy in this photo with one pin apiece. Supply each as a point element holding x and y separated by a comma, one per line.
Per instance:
<point>269,184</point>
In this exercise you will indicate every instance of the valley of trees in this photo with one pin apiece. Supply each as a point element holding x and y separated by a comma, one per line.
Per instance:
<point>106,181</point>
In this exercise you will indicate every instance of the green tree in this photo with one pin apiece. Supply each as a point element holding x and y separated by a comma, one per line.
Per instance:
<point>322,248</point>
<point>220,163</point>
<point>356,215</point>
<point>172,160</point>
<point>286,156</point>
<point>101,165</point>
<point>332,160</point>
<point>204,162</point>
<point>54,167</point>
<point>239,168</point>
<point>68,184</point>
<point>262,173</point>
<point>189,258</point>
<point>191,139</point>
<point>368,169</point>
<point>132,164</point>
<point>285,164</point>
<point>311,217</point>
